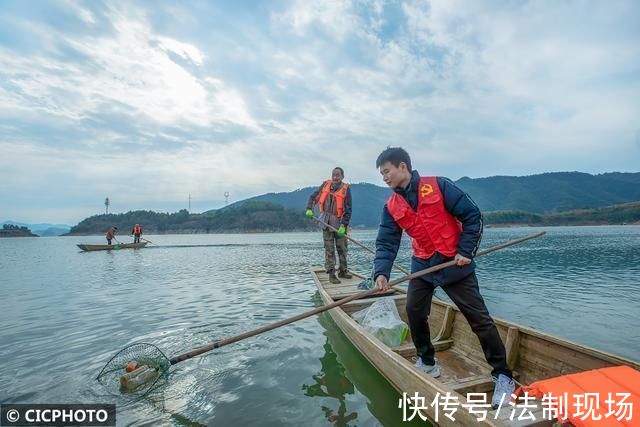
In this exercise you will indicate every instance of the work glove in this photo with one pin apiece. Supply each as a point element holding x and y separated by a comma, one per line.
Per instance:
<point>341,231</point>
<point>309,213</point>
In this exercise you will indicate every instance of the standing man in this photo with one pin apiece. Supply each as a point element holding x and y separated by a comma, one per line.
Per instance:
<point>334,199</point>
<point>111,234</point>
<point>136,232</point>
<point>444,224</point>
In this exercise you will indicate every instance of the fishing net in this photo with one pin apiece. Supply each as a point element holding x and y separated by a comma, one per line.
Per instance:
<point>368,283</point>
<point>135,370</point>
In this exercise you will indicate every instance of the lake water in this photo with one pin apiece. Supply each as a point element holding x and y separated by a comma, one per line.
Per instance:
<point>65,313</point>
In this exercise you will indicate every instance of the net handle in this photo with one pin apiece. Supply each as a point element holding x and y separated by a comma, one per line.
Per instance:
<point>236,338</point>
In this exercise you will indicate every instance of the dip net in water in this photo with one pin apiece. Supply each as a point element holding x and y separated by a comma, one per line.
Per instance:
<point>136,370</point>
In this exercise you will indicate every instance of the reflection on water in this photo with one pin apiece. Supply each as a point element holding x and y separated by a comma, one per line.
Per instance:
<point>345,373</point>
<point>331,382</point>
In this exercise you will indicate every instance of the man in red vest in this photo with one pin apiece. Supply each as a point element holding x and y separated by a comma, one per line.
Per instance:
<point>334,199</point>
<point>444,224</point>
<point>111,234</point>
<point>136,232</point>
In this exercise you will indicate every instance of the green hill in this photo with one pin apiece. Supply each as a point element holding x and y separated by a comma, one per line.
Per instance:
<point>256,216</point>
<point>541,194</point>
<point>368,200</point>
<point>11,230</point>
<point>250,217</point>
<point>552,192</point>
<point>628,213</point>
<point>566,198</point>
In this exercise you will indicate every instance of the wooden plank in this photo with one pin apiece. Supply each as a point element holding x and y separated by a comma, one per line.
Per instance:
<point>512,347</point>
<point>477,384</point>
<point>447,325</point>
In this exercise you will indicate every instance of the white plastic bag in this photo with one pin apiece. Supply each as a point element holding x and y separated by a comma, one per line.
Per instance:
<point>382,320</point>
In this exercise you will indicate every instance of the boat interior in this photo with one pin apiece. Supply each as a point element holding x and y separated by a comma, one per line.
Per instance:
<point>531,354</point>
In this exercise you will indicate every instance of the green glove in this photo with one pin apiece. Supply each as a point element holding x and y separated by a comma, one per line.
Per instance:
<point>309,213</point>
<point>341,231</point>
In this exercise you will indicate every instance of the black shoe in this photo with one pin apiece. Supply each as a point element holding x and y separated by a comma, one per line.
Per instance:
<point>345,274</point>
<point>333,279</point>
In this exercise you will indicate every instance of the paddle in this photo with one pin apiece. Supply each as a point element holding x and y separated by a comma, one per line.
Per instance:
<point>332,228</point>
<point>158,363</point>
<point>142,238</point>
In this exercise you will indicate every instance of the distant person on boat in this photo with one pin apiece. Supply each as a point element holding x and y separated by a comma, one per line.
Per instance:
<point>334,200</point>
<point>111,234</point>
<point>444,224</point>
<point>136,233</point>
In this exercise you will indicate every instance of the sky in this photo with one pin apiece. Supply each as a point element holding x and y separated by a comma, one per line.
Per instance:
<point>146,102</point>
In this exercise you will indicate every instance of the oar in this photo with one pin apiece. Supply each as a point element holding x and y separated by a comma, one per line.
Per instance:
<point>332,228</point>
<point>152,356</point>
<point>142,238</point>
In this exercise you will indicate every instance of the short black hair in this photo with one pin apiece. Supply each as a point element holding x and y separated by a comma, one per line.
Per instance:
<point>395,155</point>
<point>340,169</point>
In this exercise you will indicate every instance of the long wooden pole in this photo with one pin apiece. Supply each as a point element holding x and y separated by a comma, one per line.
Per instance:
<point>227,341</point>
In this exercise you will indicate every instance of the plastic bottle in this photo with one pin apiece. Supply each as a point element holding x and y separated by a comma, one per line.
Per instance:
<point>144,377</point>
<point>126,377</point>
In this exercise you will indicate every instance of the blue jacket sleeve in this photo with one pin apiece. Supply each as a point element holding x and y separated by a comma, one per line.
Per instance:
<point>459,204</point>
<point>387,244</point>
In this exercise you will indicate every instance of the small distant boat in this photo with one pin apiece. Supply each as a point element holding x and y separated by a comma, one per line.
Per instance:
<point>86,247</point>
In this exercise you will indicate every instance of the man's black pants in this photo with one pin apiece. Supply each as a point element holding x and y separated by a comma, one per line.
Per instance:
<point>466,295</point>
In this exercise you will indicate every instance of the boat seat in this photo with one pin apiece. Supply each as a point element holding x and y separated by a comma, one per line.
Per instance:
<point>408,350</point>
<point>476,384</point>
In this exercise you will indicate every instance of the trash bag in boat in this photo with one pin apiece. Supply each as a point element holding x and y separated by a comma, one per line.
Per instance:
<point>382,320</point>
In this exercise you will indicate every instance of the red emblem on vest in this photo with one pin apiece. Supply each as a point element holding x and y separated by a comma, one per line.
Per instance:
<point>426,189</point>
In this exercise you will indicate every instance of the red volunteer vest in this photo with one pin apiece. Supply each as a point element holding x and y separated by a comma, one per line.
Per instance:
<point>339,195</point>
<point>432,228</point>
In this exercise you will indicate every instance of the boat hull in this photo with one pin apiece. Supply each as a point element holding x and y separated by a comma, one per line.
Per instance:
<point>87,247</point>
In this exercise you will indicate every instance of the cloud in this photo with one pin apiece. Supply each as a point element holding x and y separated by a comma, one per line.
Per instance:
<point>150,102</point>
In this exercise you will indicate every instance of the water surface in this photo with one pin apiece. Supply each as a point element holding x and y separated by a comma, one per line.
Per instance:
<point>64,313</point>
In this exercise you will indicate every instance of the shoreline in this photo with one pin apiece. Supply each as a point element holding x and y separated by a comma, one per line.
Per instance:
<point>359,229</point>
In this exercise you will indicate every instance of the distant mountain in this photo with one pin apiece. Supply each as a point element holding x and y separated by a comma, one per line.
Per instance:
<point>42,229</point>
<point>540,194</point>
<point>368,199</point>
<point>552,192</point>
<point>565,198</point>
<point>627,213</point>
<point>250,217</point>
<point>255,216</point>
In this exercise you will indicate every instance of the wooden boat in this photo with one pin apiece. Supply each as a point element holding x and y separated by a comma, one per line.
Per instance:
<point>87,247</point>
<point>533,355</point>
